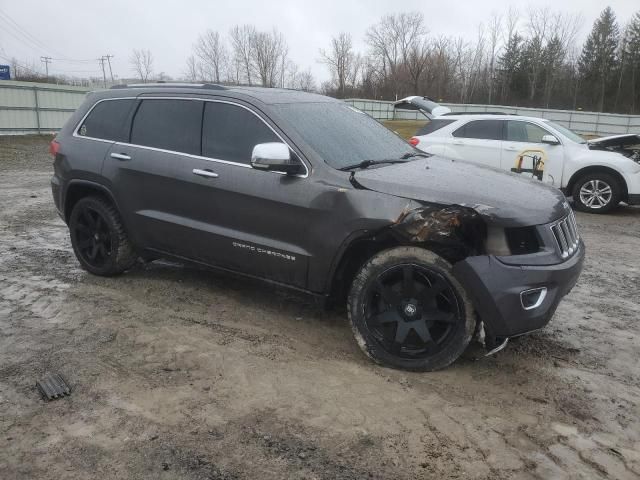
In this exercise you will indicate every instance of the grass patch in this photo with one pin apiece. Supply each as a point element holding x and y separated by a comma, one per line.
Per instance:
<point>405,128</point>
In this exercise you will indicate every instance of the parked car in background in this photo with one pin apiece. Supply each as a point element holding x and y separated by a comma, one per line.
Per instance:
<point>598,174</point>
<point>306,192</point>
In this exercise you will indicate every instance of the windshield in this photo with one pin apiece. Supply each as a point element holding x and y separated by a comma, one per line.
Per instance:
<point>343,135</point>
<point>574,137</point>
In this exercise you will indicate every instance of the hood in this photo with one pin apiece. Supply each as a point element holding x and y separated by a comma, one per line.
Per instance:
<point>620,141</point>
<point>427,106</point>
<point>504,199</point>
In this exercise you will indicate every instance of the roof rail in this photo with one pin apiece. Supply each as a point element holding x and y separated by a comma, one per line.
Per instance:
<point>208,86</point>
<point>478,113</point>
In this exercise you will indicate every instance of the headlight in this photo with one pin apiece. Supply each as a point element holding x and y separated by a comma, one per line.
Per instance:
<point>512,241</point>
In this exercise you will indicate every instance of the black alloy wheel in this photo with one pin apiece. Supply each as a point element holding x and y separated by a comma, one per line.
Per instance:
<point>98,237</point>
<point>408,311</point>
<point>412,310</point>
<point>93,238</point>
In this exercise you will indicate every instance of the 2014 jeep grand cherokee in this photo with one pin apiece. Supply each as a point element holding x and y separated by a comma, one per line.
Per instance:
<point>305,191</point>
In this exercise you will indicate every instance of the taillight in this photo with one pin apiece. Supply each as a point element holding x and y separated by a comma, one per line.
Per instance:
<point>54,147</point>
<point>414,141</point>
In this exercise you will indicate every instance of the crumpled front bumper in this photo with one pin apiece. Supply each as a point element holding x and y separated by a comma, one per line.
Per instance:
<point>495,287</point>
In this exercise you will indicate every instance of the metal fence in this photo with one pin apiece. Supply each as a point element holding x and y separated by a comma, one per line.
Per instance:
<point>587,123</point>
<point>27,107</point>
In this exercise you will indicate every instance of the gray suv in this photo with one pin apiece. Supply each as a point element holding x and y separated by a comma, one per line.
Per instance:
<point>305,191</point>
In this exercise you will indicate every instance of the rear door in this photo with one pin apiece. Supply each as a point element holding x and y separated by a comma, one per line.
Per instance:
<point>478,141</point>
<point>164,132</point>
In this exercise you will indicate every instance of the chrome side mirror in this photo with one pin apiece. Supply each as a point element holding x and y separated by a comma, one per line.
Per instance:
<point>275,157</point>
<point>550,140</point>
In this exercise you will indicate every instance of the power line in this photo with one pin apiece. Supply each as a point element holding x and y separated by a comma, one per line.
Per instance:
<point>24,67</point>
<point>26,34</point>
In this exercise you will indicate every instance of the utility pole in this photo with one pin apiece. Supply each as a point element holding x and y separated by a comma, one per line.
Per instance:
<point>109,57</point>
<point>46,61</point>
<point>104,75</point>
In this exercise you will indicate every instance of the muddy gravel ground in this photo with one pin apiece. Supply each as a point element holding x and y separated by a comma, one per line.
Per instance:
<point>180,372</point>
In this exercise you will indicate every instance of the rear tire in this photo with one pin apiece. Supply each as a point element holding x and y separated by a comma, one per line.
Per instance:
<point>99,240</point>
<point>407,310</point>
<point>596,193</point>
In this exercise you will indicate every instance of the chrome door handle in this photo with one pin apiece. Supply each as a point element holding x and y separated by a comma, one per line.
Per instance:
<point>458,142</point>
<point>120,156</point>
<point>205,173</point>
<point>511,149</point>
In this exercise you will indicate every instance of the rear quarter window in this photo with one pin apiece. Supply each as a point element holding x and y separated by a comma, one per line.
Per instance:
<point>108,120</point>
<point>434,125</point>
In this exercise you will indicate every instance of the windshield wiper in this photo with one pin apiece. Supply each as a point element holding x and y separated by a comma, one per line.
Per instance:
<point>368,163</point>
<point>415,154</point>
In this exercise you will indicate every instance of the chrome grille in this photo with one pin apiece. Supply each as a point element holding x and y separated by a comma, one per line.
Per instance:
<point>566,234</point>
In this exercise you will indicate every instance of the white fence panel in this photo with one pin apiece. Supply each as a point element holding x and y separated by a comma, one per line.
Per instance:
<point>27,107</point>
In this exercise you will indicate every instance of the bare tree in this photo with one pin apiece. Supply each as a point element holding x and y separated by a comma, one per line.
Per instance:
<point>192,72</point>
<point>495,25</point>
<point>394,40</point>
<point>340,60</point>
<point>212,53</point>
<point>416,61</point>
<point>142,63</point>
<point>268,51</point>
<point>305,81</point>
<point>242,41</point>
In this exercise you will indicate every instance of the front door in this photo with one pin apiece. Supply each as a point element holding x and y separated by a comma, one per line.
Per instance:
<point>237,217</point>
<point>524,153</point>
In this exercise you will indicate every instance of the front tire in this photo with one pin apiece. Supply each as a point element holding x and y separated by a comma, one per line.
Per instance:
<point>597,193</point>
<point>99,240</point>
<point>407,310</point>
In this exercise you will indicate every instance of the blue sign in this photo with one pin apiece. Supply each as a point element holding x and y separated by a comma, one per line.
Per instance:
<point>5,72</point>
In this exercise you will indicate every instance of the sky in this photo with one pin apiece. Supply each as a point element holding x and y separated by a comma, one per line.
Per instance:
<point>84,31</point>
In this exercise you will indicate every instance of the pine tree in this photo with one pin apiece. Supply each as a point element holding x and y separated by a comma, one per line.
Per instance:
<point>598,60</point>
<point>509,65</point>
<point>632,52</point>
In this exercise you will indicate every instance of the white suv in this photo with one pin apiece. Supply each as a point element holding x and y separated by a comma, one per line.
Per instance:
<point>597,173</point>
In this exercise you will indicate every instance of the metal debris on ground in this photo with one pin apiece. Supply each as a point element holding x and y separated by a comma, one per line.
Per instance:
<point>53,386</point>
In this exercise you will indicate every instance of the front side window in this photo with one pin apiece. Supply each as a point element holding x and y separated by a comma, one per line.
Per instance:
<point>518,131</point>
<point>168,124</point>
<point>108,120</point>
<point>481,129</point>
<point>229,132</point>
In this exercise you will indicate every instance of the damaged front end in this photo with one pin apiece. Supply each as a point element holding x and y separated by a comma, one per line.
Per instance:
<point>512,275</point>
<point>627,145</point>
<point>456,228</point>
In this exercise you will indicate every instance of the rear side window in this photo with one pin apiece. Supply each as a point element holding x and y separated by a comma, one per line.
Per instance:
<point>524,132</point>
<point>108,120</point>
<point>168,124</point>
<point>230,132</point>
<point>434,125</point>
<point>482,129</point>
